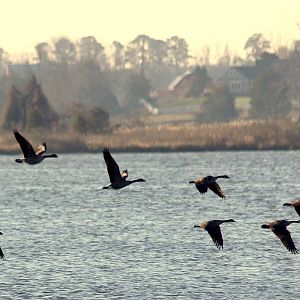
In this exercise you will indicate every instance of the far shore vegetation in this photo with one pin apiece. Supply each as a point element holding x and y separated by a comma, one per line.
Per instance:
<point>151,95</point>
<point>236,135</point>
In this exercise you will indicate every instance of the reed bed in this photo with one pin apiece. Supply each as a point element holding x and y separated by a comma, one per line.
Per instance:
<point>237,135</point>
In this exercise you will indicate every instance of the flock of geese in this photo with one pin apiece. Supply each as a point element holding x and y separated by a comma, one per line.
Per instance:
<point>118,180</point>
<point>213,227</point>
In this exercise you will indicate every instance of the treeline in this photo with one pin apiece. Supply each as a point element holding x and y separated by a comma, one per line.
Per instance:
<point>28,108</point>
<point>83,72</point>
<point>80,78</point>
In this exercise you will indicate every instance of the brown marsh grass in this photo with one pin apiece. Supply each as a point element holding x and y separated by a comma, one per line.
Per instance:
<point>237,135</point>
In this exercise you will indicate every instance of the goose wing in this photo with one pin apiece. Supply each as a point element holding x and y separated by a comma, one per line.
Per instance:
<point>41,149</point>
<point>216,189</point>
<point>25,146</point>
<point>1,253</point>
<point>201,185</point>
<point>215,232</point>
<point>202,188</point>
<point>284,235</point>
<point>297,209</point>
<point>112,167</point>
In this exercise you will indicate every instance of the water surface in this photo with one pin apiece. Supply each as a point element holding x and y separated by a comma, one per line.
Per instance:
<point>66,238</point>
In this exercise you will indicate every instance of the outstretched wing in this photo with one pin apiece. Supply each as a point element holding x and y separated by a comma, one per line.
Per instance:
<point>202,188</point>
<point>284,235</point>
<point>297,209</point>
<point>41,149</point>
<point>25,146</point>
<point>216,189</point>
<point>1,253</point>
<point>216,235</point>
<point>112,167</point>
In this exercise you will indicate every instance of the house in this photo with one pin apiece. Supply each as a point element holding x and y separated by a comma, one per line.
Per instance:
<point>180,85</point>
<point>183,86</point>
<point>239,79</point>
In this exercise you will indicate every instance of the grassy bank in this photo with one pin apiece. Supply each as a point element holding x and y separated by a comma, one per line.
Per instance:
<point>241,135</point>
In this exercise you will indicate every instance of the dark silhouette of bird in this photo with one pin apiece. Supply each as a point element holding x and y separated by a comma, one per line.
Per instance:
<point>295,203</point>
<point>1,252</point>
<point>214,230</point>
<point>279,229</point>
<point>118,180</point>
<point>31,157</point>
<point>209,182</point>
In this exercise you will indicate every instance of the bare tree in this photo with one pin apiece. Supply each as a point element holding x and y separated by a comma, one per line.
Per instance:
<point>64,51</point>
<point>255,46</point>
<point>177,52</point>
<point>137,52</point>
<point>157,53</point>
<point>118,55</point>
<point>205,56</point>
<point>43,52</point>
<point>225,58</point>
<point>90,50</point>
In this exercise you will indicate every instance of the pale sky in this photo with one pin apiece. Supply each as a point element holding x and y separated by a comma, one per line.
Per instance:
<point>25,23</point>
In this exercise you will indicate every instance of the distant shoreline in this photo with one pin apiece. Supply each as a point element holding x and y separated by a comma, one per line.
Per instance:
<point>252,135</point>
<point>161,150</point>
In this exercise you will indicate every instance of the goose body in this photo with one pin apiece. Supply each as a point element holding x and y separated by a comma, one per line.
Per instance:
<point>31,157</point>
<point>214,230</point>
<point>209,182</point>
<point>279,229</point>
<point>295,203</point>
<point>118,180</point>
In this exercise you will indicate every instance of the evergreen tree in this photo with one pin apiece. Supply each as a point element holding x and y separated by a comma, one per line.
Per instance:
<point>200,79</point>
<point>137,87</point>
<point>269,95</point>
<point>219,106</point>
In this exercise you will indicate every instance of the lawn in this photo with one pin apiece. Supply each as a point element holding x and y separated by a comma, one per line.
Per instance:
<point>181,102</point>
<point>242,102</point>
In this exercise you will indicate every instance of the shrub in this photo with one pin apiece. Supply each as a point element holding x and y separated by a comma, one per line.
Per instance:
<point>96,120</point>
<point>218,106</point>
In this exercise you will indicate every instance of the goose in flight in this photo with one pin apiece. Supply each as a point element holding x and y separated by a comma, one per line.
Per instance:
<point>31,157</point>
<point>209,182</point>
<point>279,229</point>
<point>214,230</point>
<point>295,203</point>
<point>118,180</point>
<point>1,253</point>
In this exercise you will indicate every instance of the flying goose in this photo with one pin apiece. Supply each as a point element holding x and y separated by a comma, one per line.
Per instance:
<point>30,156</point>
<point>203,183</point>
<point>117,179</point>
<point>214,230</point>
<point>295,203</point>
<point>1,253</point>
<point>279,229</point>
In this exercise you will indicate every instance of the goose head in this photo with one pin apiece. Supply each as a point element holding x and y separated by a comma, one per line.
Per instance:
<point>265,226</point>
<point>230,220</point>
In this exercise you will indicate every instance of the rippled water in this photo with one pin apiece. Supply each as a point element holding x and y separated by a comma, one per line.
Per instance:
<point>66,238</point>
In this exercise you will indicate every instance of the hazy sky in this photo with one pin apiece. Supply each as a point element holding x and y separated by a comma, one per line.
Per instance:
<point>24,23</point>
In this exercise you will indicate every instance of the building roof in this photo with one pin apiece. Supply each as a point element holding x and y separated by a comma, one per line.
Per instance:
<point>214,72</point>
<point>250,72</point>
<point>177,80</point>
